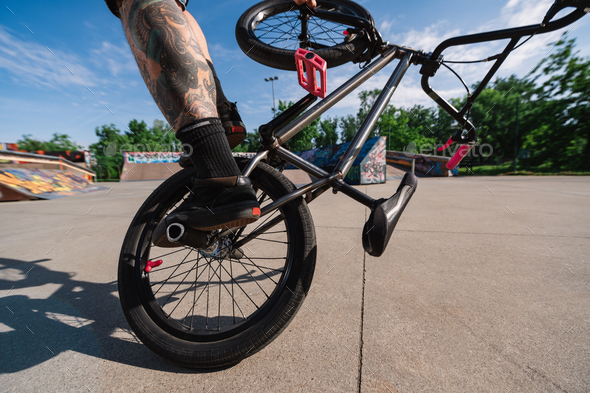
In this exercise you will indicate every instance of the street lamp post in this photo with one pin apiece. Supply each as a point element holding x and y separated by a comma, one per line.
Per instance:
<point>272,80</point>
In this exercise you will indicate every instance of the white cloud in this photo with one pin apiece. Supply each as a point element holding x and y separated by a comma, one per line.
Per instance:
<point>523,12</point>
<point>220,52</point>
<point>117,58</point>
<point>27,62</point>
<point>514,13</point>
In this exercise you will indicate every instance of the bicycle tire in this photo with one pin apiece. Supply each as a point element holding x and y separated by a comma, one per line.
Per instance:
<point>281,58</point>
<point>198,348</point>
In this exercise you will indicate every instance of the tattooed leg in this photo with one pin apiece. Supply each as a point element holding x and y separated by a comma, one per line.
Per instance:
<point>199,36</point>
<point>170,60</point>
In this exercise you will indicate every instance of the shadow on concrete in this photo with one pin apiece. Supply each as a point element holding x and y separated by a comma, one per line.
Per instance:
<point>44,313</point>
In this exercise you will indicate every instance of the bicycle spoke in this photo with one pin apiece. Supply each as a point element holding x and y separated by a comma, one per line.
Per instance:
<point>219,301</point>
<point>264,267</point>
<point>324,30</point>
<point>272,241</point>
<point>158,269</point>
<point>253,279</point>
<point>170,253</point>
<point>257,232</point>
<point>274,232</point>
<point>181,299</point>
<point>173,292</point>
<point>170,277</point>
<point>262,271</point>
<point>232,295</point>
<point>288,27</point>
<point>200,294</point>
<point>276,39</point>
<point>242,289</point>
<point>194,301</point>
<point>268,218</point>
<point>208,281</point>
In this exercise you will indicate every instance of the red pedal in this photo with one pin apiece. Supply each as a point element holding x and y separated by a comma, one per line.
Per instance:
<point>308,76</point>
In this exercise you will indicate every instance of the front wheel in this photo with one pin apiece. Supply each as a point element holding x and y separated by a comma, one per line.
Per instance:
<point>270,33</point>
<point>216,306</point>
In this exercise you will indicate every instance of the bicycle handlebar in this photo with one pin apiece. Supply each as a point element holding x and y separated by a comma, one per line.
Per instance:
<point>435,59</point>
<point>518,32</point>
<point>562,4</point>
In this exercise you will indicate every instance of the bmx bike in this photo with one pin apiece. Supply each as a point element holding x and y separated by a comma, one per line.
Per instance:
<point>226,294</point>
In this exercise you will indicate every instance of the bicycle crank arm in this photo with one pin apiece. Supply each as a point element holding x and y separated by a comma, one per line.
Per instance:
<point>384,216</point>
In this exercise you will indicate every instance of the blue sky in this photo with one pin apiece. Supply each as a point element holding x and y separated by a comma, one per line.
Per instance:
<point>62,63</point>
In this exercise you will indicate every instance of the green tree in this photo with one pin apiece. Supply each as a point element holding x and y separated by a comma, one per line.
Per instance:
<point>160,137</point>
<point>58,142</point>
<point>395,124</point>
<point>112,143</point>
<point>402,126</point>
<point>250,144</point>
<point>28,143</point>
<point>349,125</point>
<point>108,151</point>
<point>494,114</point>
<point>328,134</point>
<point>305,139</point>
<point>561,138</point>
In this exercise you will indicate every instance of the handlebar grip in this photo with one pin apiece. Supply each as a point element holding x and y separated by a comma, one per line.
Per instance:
<point>459,155</point>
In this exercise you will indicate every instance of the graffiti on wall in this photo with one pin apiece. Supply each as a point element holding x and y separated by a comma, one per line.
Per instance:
<point>148,157</point>
<point>368,167</point>
<point>45,183</point>
<point>9,146</point>
<point>374,166</point>
<point>434,166</point>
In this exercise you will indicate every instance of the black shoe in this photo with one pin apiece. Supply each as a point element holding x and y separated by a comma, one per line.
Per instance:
<point>214,204</point>
<point>235,130</point>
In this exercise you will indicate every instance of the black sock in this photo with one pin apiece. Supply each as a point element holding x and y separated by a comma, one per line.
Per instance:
<point>220,96</point>
<point>211,154</point>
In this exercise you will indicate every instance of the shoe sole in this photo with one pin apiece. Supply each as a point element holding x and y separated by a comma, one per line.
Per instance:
<point>235,215</point>
<point>234,224</point>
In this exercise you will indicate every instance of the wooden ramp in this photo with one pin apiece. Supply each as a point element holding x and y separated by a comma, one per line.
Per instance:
<point>151,171</point>
<point>18,184</point>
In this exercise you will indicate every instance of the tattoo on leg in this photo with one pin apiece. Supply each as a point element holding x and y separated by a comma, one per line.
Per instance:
<point>170,60</point>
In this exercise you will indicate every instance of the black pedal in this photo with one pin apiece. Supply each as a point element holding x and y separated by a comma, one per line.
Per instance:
<point>385,215</point>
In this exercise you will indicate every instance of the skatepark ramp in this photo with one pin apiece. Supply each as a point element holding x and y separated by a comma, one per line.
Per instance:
<point>25,176</point>
<point>154,165</point>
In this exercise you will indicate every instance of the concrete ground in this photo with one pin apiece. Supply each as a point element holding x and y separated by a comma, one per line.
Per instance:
<point>485,286</point>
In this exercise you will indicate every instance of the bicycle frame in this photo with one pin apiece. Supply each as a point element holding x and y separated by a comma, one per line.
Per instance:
<point>288,125</point>
<point>335,179</point>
